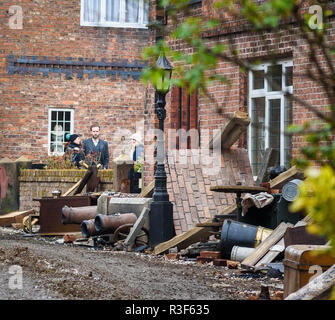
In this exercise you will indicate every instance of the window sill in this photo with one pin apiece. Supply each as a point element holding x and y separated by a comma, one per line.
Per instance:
<point>115,25</point>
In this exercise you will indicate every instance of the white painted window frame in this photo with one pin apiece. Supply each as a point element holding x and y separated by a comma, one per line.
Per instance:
<point>272,95</point>
<point>50,131</point>
<point>113,24</point>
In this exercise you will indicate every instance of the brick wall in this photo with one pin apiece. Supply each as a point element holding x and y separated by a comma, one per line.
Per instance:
<point>110,94</point>
<point>212,114</point>
<point>35,184</point>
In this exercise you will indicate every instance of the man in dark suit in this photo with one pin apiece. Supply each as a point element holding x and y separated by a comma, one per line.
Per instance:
<point>96,146</point>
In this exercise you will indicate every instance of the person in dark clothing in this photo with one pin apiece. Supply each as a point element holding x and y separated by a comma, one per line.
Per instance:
<point>137,152</point>
<point>95,146</point>
<point>74,148</point>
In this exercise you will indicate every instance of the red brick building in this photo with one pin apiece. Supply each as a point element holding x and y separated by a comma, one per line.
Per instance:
<point>65,65</point>
<point>270,111</point>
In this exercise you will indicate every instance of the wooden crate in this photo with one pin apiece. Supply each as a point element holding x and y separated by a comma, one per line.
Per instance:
<point>301,263</point>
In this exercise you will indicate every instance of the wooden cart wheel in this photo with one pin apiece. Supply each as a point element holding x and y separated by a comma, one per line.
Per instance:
<point>122,232</point>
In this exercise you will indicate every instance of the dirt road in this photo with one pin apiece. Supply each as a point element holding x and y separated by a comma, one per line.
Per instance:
<point>57,271</point>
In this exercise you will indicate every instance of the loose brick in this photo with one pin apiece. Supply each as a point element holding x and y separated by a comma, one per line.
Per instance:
<point>203,260</point>
<point>220,262</point>
<point>210,254</point>
<point>172,256</point>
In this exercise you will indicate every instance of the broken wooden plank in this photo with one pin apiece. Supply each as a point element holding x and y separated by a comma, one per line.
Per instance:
<point>269,160</point>
<point>290,174</point>
<point>231,130</point>
<point>209,224</point>
<point>66,193</point>
<point>138,225</point>
<point>274,251</point>
<point>147,191</point>
<point>6,220</point>
<point>261,250</point>
<point>184,240</point>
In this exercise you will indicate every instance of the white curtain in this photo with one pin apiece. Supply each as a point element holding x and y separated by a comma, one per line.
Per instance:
<point>112,10</point>
<point>92,10</point>
<point>132,7</point>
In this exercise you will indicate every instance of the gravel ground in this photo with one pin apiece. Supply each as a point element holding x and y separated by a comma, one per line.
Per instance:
<point>56,271</point>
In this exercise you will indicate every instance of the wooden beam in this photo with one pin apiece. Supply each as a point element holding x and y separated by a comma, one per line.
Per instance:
<point>136,229</point>
<point>269,160</point>
<point>261,250</point>
<point>184,240</point>
<point>147,191</point>
<point>290,174</point>
<point>6,220</point>
<point>66,193</point>
<point>231,130</point>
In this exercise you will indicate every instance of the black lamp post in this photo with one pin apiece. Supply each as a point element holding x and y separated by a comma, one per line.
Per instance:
<point>161,209</point>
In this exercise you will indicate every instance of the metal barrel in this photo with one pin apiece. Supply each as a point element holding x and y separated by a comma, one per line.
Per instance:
<point>87,228</point>
<point>290,190</point>
<point>240,253</point>
<point>109,223</point>
<point>236,233</point>
<point>76,215</point>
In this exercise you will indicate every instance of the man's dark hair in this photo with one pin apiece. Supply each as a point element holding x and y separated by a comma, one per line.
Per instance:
<point>94,125</point>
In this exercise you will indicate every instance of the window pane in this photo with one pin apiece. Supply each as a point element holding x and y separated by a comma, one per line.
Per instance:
<point>274,124</point>
<point>67,115</point>
<point>146,12</point>
<point>53,115</point>
<point>92,10</point>
<point>288,76</point>
<point>60,115</point>
<point>132,7</point>
<point>258,79</point>
<point>257,133</point>
<point>113,10</point>
<point>274,78</point>
<point>67,126</point>
<point>288,137</point>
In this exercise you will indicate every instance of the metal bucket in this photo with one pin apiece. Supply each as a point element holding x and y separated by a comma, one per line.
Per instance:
<point>240,253</point>
<point>290,190</point>
<point>236,233</point>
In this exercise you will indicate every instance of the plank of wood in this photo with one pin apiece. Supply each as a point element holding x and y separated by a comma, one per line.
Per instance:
<point>261,250</point>
<point>269,160</point>
<point>290,174</point>
<point>209,224</point>
<point>184,240</point>
<point>147,191</point>
<point>6,220</point>
<point>231,130</point>
<point>66,193</point>
<point>237,189</point>
<point>136,229</point>
<point>273,253</point>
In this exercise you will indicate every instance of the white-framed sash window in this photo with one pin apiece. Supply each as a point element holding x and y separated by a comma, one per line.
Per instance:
<point>270,112</point>
<point>114,13</point>
<point>60,122</point>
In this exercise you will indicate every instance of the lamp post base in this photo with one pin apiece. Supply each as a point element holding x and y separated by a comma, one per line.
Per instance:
<point>161,227</point>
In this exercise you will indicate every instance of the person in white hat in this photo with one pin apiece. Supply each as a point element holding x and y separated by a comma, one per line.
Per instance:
<point>137,152</point>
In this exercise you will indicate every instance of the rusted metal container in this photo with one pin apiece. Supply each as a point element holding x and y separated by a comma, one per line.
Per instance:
<point>301,263</point>
<point>77,215</point>
<point>109,223</point>
<point>235,233</point>
<point>51,214</point>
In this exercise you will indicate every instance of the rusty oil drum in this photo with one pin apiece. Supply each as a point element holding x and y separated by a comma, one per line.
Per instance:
<point>240,234</point>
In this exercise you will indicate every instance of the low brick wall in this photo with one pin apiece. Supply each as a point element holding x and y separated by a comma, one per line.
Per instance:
<point>35,184</point>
